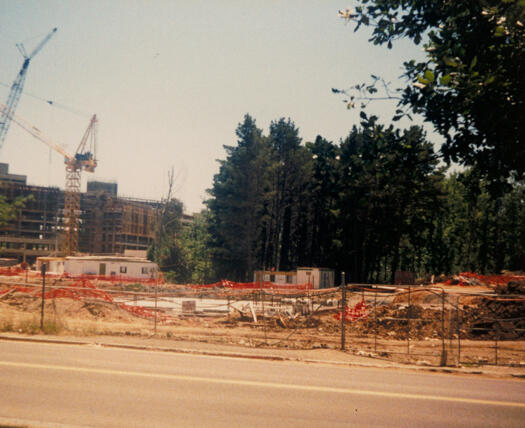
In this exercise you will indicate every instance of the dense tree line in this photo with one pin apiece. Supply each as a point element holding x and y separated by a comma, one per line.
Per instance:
<point>377,202</point>
<point>380,200</point>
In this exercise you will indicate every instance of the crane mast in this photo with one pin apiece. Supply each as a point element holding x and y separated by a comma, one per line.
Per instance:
<point>18,86</point>
<point>83,159</point>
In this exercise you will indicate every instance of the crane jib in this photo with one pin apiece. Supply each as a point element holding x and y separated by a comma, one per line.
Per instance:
<point>18,86</point>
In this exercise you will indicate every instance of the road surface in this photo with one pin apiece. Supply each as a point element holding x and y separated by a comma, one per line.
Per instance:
<point>67,385</point>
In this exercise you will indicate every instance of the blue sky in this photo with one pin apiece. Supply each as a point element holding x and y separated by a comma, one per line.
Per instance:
<point>171,80</point>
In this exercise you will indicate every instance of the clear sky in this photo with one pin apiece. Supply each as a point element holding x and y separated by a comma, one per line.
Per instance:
<point>171,80</point>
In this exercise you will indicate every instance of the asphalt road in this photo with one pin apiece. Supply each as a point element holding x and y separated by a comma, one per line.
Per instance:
<point>43,384</point>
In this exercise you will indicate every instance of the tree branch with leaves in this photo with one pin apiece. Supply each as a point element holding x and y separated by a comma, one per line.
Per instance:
<point>471,85</point>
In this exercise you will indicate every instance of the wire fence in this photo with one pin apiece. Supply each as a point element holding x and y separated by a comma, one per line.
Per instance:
<point>423,325</point>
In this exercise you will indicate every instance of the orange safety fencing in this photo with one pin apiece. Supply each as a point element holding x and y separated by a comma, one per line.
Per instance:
<point>357,312</point>
<point>12,271</point>
<point>264,285</point>
<point>85,289</point>
<point>17,288</point>
<point>471,278</point>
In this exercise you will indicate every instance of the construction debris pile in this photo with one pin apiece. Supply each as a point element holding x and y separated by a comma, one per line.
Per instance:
<point>501,317</point>
<point>313,316</point>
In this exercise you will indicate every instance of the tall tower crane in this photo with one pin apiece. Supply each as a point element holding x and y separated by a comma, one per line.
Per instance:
<point>83,159</point>
<point>18,86</point>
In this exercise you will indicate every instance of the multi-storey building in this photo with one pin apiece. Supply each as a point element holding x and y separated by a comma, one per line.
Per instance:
<point>108,224</point>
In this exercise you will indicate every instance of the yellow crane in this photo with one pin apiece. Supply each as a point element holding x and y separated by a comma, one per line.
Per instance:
<point>83,159</point>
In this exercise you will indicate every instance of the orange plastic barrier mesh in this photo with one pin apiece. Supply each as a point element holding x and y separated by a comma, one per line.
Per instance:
<point>471,278</point>
<point>358,312</point>
<point>264,285</point>
<point>85,289</point>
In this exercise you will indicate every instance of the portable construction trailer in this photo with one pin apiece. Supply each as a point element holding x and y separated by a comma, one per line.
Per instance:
<point>318,277</point>
<point>124,267</point>
<point>276,277</point>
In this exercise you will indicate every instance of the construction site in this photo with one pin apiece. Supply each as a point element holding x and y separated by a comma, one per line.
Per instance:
<point>49,221</point>
<point>73,263</point>
<point>90,277</point>
<point>468,320</point>
<point>106,223</point>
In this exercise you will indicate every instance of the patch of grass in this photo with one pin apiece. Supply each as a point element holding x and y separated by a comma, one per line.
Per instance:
<point>6,325</point>
<point>137,286</point>
<point>28,327</point>
<point>91,331</point>
<point>51,327</point>
<point>31,327</point>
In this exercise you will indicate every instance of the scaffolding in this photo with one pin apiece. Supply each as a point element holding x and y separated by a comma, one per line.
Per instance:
<point>106,223</point>
<point>112,225</point>
<point>36,230</point>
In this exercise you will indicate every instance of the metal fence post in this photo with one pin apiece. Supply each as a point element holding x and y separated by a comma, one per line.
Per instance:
<point>343,307</point>
<point>443,350</point>
<point>264,318</point>
<point>375,319</point>
<point>450,332</point>
<point>156,285</point>
<point>408,322</point>
<point>43,270</point>
<point>458,329</point>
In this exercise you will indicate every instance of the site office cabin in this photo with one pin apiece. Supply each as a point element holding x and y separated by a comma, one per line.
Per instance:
<point>124,267</point>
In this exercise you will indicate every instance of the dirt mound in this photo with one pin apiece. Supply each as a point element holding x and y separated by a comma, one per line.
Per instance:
<point>66,307</point>
<point>418,296</point>
<point>496,318</point>
<point>397,322</point>
<point>478,317</point>
<point>471,278</point>
<point>512,287</point>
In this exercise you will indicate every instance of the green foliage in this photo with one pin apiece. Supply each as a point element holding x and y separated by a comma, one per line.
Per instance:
<point>196,240</point>
<point>52,327</point>
<point>265,209</point>
<point>239,200</point>
<point>389,194</point>
<point>289,208</point>
<point>322,195</point>
<point>9,209</point>
<point>479,232</point>
<point>376,203</point>
<point>6,325</point>
<point>471,85</point>
<point>137,286</point>
<point>168,250</point>
<point>32,326</point>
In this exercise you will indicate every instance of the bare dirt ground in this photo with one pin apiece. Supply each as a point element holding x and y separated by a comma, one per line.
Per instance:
<point>395,331</point>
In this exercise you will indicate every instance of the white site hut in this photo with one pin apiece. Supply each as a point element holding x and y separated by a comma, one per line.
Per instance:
<point>318,277</point>
<point>125,267</point>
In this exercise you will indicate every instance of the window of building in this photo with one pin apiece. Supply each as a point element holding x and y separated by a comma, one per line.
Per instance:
<point>123,269</point>
<point>289,279</point>
<point>272,278</point>
<point>144,270</point>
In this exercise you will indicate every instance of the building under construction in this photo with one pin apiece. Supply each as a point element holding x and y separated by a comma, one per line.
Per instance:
<point>108,224</point>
